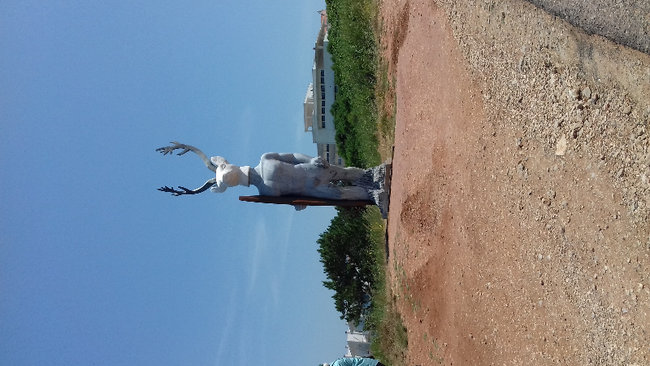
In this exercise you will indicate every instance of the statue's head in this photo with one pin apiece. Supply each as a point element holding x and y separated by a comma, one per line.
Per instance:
<point>228,175</point>
<point>218,188</point>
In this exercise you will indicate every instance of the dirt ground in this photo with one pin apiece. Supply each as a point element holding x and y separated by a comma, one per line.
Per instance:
<point>519,225</point>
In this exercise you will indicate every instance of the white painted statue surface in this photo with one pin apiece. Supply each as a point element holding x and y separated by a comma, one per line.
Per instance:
<point>284,174</point>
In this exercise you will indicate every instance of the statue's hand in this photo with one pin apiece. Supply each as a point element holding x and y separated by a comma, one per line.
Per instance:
<point>299,207</point>
<point>320,162</point>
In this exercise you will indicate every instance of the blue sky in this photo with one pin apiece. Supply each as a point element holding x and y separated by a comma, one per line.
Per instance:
<point>99,268</point>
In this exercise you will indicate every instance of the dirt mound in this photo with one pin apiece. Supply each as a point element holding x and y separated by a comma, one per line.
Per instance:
<point>518,227</point>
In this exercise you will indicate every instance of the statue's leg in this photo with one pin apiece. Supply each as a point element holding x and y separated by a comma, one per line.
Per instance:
<point>339,193</point>
<point>354,193</point>
<point>345,174</point>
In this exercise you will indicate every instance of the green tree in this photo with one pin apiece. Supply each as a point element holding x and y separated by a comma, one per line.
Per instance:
<point>347,256</point>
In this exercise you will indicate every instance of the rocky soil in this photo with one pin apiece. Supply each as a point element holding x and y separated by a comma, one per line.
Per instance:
<point>625,22</point>
<point>519,227</point>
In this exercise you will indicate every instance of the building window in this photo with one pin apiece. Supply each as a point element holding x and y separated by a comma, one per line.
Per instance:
<point>322,110</point>
<point>327,148</point>
<point>322,121</point>
<point>340,161</point>
<point>322,104</point>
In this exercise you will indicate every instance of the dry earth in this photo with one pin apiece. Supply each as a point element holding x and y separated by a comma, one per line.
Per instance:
<point>518,227</point>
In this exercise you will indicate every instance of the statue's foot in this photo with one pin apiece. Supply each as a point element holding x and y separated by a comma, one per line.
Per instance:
<point>376,181</point>
<point>381,199</point>
<point>373,178</point>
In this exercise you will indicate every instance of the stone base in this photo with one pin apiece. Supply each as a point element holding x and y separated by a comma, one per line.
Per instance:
<point>376,181</point>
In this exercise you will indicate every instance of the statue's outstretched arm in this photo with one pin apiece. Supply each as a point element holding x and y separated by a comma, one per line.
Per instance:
<point>291,158</point>
<point>176,145</point>
<point>183,191</point>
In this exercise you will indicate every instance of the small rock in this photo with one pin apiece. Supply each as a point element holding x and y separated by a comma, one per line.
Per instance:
<point>521,169</point>
<point>560,148</point>
<point>586,93</point>
<point>573,93</point>
<point>519,142</point>
<point>575,129</point>
<point>640,130</point>
<point>627,109</point>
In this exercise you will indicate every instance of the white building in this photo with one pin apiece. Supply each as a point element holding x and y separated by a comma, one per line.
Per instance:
<point>358,341</point>
<point>319,98</point>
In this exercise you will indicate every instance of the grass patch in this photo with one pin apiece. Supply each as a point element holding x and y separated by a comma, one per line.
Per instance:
<point>364,116</point>
<point>353,46</point>
<point>390,340</point>
<point>386,109</point>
